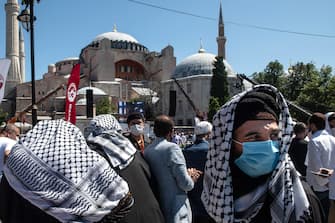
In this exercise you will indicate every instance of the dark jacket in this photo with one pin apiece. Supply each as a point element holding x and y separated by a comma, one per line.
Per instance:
<point>297,152</point>
<point>146,208</point>
<point>15,209</point>
<point>141,184</point>
<point>195,156</point>
<point>318,214</point>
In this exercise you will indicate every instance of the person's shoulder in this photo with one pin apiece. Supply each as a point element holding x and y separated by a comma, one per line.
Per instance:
<point>323,136</point>
<point>188,147</point>
<point>171,145</point>
<point>6,141</point>
<point>299,142</point>
<point>159,144</point>
<point>198,147</point>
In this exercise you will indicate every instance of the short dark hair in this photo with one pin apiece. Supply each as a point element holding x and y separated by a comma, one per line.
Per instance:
<point>163,125</point>
<point>299,127</point>
<point>318,119</point>
<point>134,115</point>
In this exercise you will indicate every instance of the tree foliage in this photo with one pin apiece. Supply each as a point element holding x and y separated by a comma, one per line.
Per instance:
<point>219,82</point>
<point>298,76</point>
<point>316,94</point>
<point>304,85</point>
<point>104,106</point>
<point>214,106</point>
<point>273,74</point>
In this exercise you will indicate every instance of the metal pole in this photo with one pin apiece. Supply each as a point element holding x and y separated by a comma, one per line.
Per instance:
<point>186,95</point>
<point>32,58</point>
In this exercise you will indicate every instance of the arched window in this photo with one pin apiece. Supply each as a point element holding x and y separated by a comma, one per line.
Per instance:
<point>129,70</point>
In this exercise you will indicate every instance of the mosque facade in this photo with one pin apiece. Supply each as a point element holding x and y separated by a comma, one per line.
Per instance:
<point>118,67</point>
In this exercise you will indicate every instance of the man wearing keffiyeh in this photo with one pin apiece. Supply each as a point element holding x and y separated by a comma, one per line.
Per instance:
<point>52,175</point>
<point>249,176</point>
<point>104,136</point>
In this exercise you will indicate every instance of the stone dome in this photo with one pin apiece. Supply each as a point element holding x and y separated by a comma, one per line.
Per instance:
<point>115,36</point>
<point>197,64</point>
<point>96,91</point>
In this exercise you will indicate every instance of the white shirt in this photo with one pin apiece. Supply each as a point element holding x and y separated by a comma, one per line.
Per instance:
<point>6,144</point>
<point>321,153</point>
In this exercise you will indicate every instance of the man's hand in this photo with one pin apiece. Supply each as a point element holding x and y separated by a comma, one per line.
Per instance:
<point>194,173</point>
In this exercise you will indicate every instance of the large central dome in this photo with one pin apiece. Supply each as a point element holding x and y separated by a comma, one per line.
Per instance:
<point>197,64</point>
<point>116,36</point>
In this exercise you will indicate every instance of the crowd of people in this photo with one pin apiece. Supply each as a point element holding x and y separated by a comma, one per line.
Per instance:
<point>251,163</point>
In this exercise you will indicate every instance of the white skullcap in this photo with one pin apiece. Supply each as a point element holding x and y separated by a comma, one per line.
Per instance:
<point>203,127</point>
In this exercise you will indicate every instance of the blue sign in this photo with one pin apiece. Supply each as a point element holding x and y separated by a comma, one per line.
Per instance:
<point>122,107</point>
<point>128,107</point>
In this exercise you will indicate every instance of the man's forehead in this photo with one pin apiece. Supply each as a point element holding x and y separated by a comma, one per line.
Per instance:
<point>257,125</point>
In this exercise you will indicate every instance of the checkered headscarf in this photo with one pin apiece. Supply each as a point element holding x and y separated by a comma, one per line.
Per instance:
<point>53,168</point>
<point>102,123</point>
<point>105,134</point>
<point>284,184</point>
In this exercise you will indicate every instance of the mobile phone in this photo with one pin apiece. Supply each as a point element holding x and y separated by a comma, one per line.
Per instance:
<point>320,174</point>
<point>323,172</point>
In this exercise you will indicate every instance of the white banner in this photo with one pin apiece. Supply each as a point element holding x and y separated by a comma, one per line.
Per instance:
<point>4,67</point>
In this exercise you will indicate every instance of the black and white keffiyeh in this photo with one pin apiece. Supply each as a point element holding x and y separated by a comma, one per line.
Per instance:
<point>284,184</point>
<point>105,133</point>
<point>102,123</point>
<point>53,168</point>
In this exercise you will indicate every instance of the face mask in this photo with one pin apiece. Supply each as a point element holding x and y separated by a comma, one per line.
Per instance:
<point>137,130</point>
<point>258,158</point>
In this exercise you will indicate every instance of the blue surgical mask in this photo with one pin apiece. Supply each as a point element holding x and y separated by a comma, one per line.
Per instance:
<point>258,158</point>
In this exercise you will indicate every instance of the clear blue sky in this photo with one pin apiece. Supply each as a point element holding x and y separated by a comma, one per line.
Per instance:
<point>64,27</point>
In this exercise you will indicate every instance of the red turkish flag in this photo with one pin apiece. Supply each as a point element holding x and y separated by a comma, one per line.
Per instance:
<point>71,94</point>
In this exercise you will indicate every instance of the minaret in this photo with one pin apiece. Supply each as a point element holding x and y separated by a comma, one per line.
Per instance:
<point>221,39</point>
<point>22,56</point>
<point>12,46</point>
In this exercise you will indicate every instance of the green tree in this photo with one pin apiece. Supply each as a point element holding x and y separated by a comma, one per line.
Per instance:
<point>304,85</point>
<point>316,94</point>
<point>330,94</point>
<point>299,75</point>
<point>104,106</point>
<point>214,106</point>
<point>273,74</point>
<point>219,82</point>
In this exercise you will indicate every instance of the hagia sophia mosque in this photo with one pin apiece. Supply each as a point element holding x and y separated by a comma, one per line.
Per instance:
<point>118,67</point>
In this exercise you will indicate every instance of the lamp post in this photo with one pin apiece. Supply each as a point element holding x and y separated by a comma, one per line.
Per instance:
<point>27,19</point>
